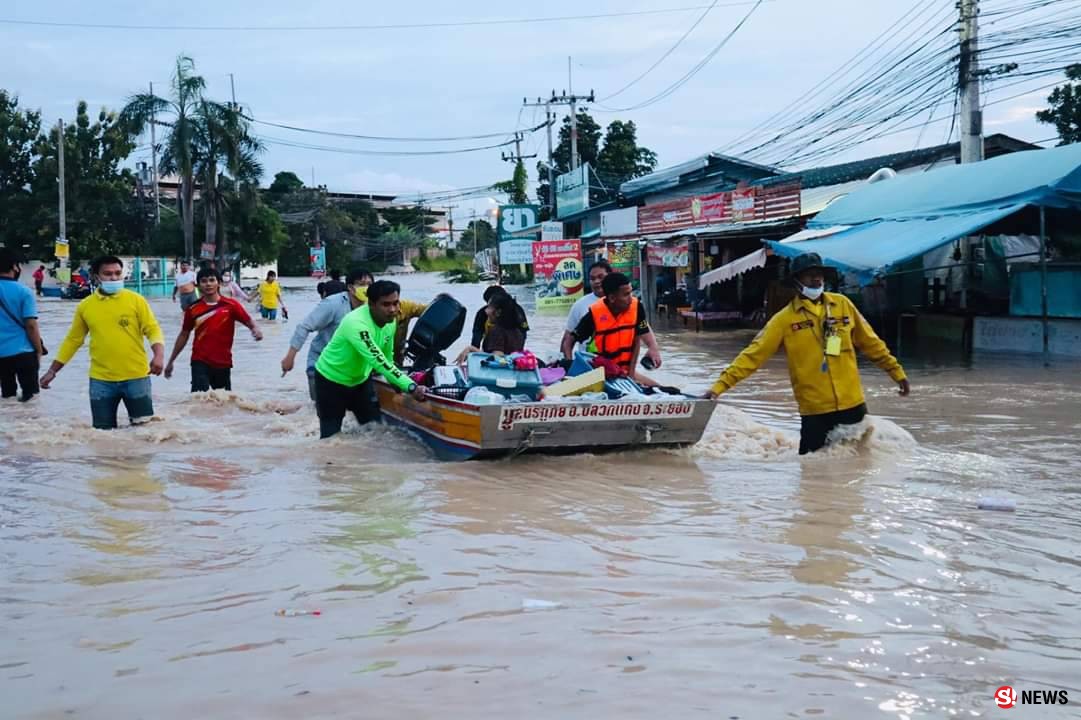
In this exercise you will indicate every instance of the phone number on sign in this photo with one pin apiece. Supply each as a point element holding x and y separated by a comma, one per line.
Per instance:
<point>512,416</point>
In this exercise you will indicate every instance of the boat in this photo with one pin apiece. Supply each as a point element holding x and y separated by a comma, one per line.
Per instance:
<point>457,430</point>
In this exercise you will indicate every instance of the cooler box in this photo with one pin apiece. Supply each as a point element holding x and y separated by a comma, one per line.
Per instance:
<point>504,380</point>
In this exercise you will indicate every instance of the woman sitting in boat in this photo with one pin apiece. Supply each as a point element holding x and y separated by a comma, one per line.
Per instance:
<point>505,335</point>
<point>482,321</point>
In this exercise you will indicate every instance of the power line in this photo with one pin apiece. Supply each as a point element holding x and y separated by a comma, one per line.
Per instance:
<point>693,71</point>
<point>388,153</point>
<point>384,138</point>
<point>387,26</point>
<point>663,57</point>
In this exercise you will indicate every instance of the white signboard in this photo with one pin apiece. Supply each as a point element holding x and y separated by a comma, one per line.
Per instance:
<point>616,223</point>
<point>516,252</point>
<point>551,231</point>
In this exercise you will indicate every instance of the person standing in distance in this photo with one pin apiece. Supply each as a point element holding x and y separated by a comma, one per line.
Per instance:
<point>185,285</point>
<point>20,342</point>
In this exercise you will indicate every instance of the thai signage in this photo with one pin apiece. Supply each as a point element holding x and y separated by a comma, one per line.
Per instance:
<point>572,191</point>
<point>317,257</point>
<point>748,204</point>
<point>674,255</point>
<point>545,413</point>
<point>551,230</point>
<point>514,219</point>
<point>557,269</point>
<point>623,256</point>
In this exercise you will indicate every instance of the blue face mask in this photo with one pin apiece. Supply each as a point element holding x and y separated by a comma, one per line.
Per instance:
<point>112,287</point>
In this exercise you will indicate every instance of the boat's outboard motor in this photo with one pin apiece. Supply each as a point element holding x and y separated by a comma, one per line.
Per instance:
<point>435,331</point>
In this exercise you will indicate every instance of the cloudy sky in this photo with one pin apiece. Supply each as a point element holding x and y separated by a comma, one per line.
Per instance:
<point>455,79</point>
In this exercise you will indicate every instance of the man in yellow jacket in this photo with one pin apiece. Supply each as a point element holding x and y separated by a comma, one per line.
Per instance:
<point>820,332</point>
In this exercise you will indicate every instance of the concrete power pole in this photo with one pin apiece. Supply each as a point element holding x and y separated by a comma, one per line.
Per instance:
<point>550,118</point>
<point>60,180</point>
<point>574,118</point>
<point>572,100</point>
<point>971,119</point>
<point>154,161</point>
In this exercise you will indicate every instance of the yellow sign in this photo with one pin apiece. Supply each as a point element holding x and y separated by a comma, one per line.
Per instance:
<point>61,250</point>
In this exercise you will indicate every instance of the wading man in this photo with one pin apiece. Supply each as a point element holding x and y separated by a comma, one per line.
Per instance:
<point>362,344</point>
<point>820,332</point>
<point>213,319</point>
<point>118,321</point>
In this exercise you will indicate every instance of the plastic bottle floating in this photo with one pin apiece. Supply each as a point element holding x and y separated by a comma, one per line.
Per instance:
<point>297,613</point>
<point>1000,504</point>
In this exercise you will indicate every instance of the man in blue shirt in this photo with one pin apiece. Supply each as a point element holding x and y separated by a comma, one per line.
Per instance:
<point>324,320</point>
<point>20,341</point>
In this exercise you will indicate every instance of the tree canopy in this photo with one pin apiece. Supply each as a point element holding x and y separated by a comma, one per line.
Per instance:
<point>1065,107</point>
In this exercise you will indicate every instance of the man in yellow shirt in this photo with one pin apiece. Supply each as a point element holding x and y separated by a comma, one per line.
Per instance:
<point>270,296</point>
<point>117,321</point>
<point>820,332</point>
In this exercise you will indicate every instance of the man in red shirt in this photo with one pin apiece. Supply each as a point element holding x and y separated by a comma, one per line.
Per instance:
<point>213,318</point>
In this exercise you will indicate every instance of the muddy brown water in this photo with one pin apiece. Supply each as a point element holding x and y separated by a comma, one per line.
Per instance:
<point>140,570</point>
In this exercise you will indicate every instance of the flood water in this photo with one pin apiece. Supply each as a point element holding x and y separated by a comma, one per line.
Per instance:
<point>140,569</point>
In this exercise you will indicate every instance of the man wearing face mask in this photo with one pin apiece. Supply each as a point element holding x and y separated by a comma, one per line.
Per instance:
<point>324,320</point>
<point>820,332</point>
<point>117,321</point>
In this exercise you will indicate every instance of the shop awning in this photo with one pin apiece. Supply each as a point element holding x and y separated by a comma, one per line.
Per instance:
<point>728,271</point>
<point>873,248</point>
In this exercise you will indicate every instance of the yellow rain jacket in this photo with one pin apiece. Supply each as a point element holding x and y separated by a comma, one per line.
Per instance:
<point>800,327</point>
<point>408,310</point>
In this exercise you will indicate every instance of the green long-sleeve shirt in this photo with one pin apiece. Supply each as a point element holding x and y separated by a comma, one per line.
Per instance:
<point>360,347</point>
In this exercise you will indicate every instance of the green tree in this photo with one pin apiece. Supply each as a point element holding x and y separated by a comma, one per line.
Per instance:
<point>614,157</point>
<point>285,182</point>
<point>1065,107</point>
<point>19,131</point>
<point>411,216</point>
<point>180,115</point>
<point>263,232</point>
<point>482,232</point>
<point>102,210</point>
<point>621,159</point>
<point>517,188</point>
<point>223,139</point>
<point>589,138</point>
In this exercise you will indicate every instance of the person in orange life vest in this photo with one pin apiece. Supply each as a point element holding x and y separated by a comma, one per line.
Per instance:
<point>617,324</point>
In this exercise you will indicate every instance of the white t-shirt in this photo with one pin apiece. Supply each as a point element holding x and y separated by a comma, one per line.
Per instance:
<point>579,310</point>
<point>187,278</point>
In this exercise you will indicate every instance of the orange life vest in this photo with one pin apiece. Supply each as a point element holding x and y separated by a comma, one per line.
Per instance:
<point>615,335</point>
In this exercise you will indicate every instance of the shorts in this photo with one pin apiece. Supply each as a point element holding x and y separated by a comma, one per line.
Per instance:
<point>187,300</point>
<point>268,313</point>
<point>815,429</point>
<point>106,396</point>
<point>205,377</point>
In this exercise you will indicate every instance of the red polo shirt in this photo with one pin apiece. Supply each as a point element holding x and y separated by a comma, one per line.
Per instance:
<point>214,326</point>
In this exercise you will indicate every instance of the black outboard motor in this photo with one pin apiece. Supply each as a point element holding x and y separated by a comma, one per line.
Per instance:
<point>435,331</point>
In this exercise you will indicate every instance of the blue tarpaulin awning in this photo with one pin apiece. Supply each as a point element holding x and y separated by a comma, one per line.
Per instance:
<point>874,247</point>
<point>907,216</point>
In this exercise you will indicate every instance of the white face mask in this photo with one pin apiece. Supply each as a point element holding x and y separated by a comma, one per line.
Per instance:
<point>811,293</point>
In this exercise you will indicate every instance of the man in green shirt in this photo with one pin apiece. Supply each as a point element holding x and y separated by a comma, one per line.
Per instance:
<point>362,344</point>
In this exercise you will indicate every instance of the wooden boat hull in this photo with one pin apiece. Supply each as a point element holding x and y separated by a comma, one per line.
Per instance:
<point>457,430</point>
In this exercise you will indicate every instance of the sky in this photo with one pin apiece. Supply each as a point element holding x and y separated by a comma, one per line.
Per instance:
<point>451,81</point>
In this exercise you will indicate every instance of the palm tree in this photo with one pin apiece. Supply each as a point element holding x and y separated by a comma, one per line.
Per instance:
<point>223,139</point>
<point>178,146</point>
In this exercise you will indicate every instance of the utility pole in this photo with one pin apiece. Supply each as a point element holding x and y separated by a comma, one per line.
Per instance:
<point>564,99</point>
<point>154,160</point>
<point>971,120</point>
<point>60,180</point>
<point>236,109</point>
